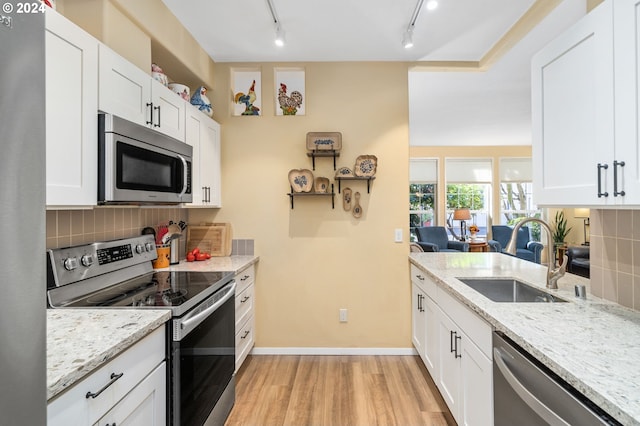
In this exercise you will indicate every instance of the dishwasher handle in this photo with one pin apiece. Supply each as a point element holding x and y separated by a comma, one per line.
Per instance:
<point>527,397</point>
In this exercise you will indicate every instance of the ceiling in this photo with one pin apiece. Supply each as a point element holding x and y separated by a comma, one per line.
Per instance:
<point>347,30</point>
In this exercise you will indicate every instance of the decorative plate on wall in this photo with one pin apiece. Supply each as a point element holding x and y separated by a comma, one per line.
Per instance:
<point>321,185</point>
<point>324,141</point>
<point>365,165</point>
<point>344,172</point>
<point>301,180</point>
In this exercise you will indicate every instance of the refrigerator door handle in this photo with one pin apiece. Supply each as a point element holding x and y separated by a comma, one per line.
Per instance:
<point>527,397</point>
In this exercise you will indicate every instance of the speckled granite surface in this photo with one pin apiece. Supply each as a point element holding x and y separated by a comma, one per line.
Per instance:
<point>230,263</point>
<point>593,344</point>
<point>81,340</point>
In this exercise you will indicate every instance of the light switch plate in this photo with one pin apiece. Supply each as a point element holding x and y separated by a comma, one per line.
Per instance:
<point>398,235</point>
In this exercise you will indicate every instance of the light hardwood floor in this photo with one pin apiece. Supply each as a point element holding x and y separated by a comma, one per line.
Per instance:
<point>336,390</point>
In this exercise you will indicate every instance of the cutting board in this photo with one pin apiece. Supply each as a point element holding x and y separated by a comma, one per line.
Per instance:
<point>213,238</point>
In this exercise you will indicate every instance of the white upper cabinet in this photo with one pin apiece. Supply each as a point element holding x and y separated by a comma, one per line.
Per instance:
<point>627,84</point>
<point>71,98</point>
<point>130,93</point>
<point>203,134</point>
<point>585,111</point>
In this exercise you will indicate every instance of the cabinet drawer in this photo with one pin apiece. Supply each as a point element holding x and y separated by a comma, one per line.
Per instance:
<point>244,307</point>
<point>477,329</point>
<point>422,280</point>
<point>73,406</point>
<point>244,341</point>
<point>245,278</point>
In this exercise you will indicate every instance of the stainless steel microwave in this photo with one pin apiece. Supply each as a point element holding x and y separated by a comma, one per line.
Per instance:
<point>138,165</point>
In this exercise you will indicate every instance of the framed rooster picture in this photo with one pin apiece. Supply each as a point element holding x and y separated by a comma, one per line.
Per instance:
<point>289,89</point>
<point>246,92</point>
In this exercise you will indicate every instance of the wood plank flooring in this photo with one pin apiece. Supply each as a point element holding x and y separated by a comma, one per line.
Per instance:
<point>273,390</point>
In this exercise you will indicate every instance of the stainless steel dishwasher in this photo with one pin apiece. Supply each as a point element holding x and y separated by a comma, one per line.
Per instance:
<point>526,393</point>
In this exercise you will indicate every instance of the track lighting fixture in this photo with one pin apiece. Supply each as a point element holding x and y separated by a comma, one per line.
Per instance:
<point>407,39</point>
<point>280,34</point>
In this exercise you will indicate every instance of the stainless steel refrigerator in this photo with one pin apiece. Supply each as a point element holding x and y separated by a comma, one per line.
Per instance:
<point>22,217</point>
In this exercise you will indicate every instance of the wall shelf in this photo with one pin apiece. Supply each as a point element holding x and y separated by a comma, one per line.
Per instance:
<point>331,194</point>
<point>367,178</point>
<point>323,153</point>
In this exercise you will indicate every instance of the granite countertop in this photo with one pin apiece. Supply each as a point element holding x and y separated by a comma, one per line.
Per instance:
<point>81,340</point>
<point>593,344</point>
<point>230,263</point>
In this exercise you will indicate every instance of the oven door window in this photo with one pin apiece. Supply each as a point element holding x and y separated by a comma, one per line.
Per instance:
<point>147,170</point>
<point>203,363</point>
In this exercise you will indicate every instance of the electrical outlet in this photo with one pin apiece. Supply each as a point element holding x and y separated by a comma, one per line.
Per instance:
<point>343,315</point>
<point>398,235</point>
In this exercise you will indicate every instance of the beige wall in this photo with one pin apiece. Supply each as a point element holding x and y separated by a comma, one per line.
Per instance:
<point>315,260</point>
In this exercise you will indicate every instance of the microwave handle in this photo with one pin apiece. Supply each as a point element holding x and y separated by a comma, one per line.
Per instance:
<point>185,176</point>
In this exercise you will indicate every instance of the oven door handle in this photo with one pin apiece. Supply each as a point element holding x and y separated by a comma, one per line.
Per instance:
<point>196,319</point>
<point>527,397</point>
<point>185,177</point>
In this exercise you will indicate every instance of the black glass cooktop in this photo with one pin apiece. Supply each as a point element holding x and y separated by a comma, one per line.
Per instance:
<point>158,290</point>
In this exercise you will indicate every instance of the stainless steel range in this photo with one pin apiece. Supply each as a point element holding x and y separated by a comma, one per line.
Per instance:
<point>200,339</point>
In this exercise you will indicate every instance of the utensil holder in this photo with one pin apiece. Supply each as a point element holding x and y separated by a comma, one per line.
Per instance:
<point>175,251</point>
<point>164,254</point>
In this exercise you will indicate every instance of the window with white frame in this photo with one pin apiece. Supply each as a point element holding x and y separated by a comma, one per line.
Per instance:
<point>516,201</point>
<point>468,186</point>
<point>423,178</point>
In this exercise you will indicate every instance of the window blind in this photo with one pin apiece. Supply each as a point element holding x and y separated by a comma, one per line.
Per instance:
<point>468,170</point>
<point>423,170</point>
<point>515,170</point>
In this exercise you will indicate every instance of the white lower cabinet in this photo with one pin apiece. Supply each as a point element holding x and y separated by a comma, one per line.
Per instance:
<point>455,346</point>
<point>128,390</point>
<point>145,405</point>
<point>245,318</point>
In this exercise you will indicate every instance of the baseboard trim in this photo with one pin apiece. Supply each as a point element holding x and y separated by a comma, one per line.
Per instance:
<point>332,351</point>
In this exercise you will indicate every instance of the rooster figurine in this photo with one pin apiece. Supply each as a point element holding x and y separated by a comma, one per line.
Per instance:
<point>289,103</point>
<point>200,100</point>
<point>248,101</point>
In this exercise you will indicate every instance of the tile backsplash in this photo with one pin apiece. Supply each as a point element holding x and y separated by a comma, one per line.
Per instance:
<point>615,256</point>
<point>73,227</point>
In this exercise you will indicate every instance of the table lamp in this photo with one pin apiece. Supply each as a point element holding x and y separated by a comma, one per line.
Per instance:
<point>462,215</point>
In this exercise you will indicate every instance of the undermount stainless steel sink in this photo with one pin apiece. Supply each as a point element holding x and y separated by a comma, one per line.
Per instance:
<point>509,290</point>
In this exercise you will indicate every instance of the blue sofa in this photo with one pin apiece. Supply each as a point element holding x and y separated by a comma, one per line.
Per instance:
<point>525,248</point>
<point>436,239</point>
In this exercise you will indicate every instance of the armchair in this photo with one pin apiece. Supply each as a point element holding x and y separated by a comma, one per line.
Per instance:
<point>579,262</point>
<point>435,239</point>
<point>525,248</point>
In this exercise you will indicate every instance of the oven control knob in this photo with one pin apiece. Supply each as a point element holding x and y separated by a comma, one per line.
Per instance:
<point>87,260</point>
<point>139,248</point>
<point>70,263</point>
<point>149,247</point>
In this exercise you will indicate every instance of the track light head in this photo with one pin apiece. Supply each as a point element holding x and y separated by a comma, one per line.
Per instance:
<point>280,36</point>
<point>407,39</point>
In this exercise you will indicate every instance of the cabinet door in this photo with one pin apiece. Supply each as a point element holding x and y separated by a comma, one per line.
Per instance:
<point>449,380</point>
<point>193,136</point>
<point>71,122</point>
<point>418,319</point>
<point>210,162</point>
<point>124,89</point>
<point>145,405</point>
<point>477,385</point>
<point>431,341</point>
<point>627,77</point>
<point>573,113</point>
<point>169,111</point>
